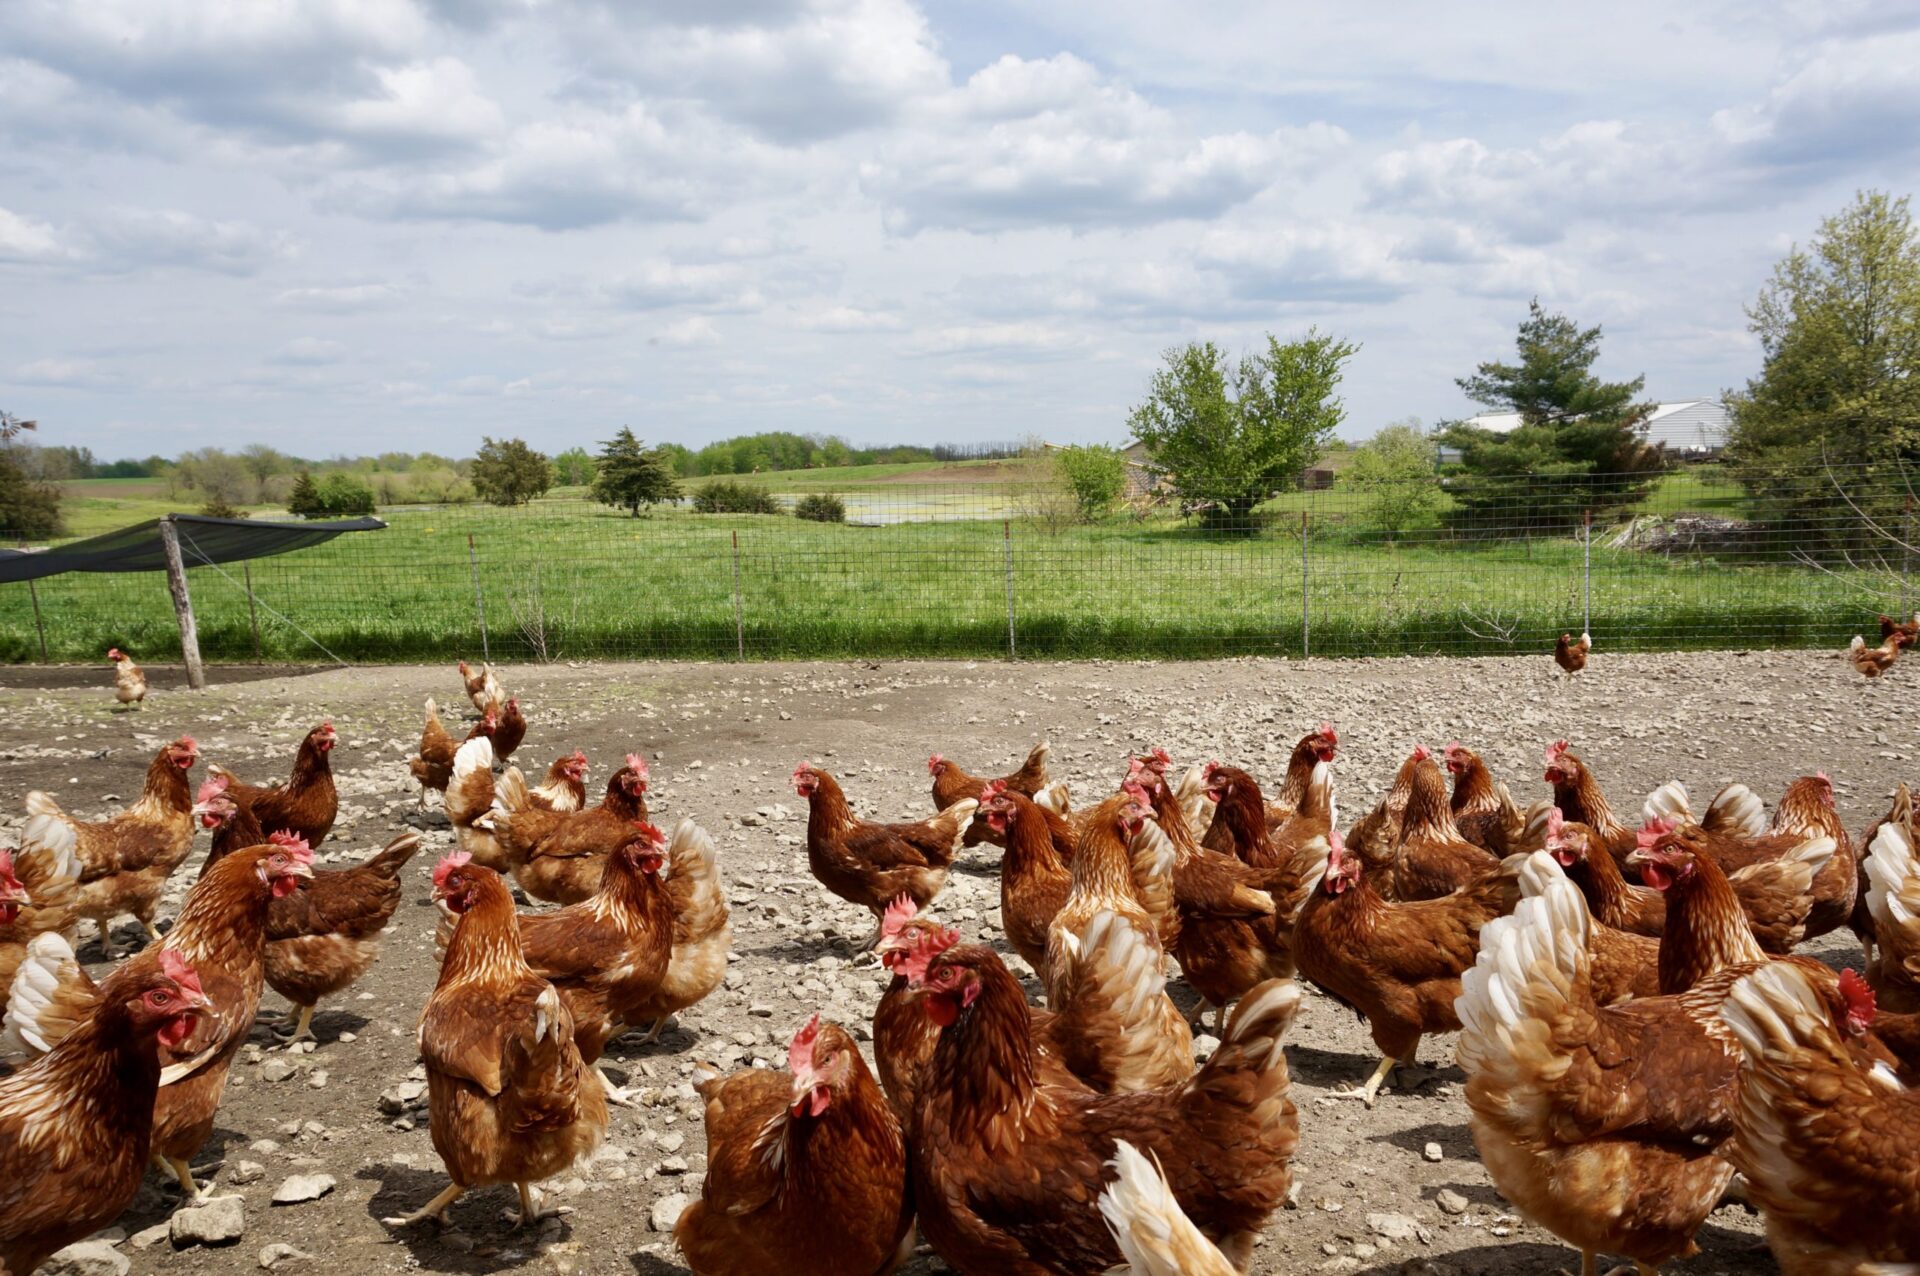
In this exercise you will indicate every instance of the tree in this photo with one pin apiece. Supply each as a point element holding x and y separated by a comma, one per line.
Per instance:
<point>304,500</point>
<point>1584,436</point>
<point>342,493</point>
<point>632,475</point>
<point>574,467</point>
<point>1230,435</point>
<point>1096,475</point>
<point>1393,476</point>
<point>1839,329</point>
<point>509,472</point>
<point>216,475</point>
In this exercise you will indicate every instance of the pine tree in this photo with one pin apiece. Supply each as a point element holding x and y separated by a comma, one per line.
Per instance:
<point>304,501</point>
<point>632,475</point>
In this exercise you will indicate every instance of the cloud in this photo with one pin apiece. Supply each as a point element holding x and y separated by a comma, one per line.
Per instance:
<point>341,299</point>
<point>1338,263</point>
<point>849,319</point>
<point>1052,143</point>
<point>68,374</point>
<point>1030,340</point>
<point>694,330</point>
<point>309,352</point>
<point>25,241</point>
<point>137,238</point>
<point>660,284</point>
<point>1851,99</point>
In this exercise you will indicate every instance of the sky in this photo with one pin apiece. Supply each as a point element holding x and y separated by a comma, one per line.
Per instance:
<point>352,226</point>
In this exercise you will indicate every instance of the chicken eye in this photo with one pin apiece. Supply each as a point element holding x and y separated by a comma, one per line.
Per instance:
<point>157,999</point>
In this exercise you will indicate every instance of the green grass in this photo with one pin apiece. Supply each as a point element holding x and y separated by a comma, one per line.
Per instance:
<point>609,585</point>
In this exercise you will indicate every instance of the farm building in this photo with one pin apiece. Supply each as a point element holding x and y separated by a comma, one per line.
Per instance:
<point>1690,427</point>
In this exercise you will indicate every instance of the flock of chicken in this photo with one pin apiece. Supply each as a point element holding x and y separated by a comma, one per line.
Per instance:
<point>1639,1042</point>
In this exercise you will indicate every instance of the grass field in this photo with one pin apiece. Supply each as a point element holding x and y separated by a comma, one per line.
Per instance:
<point>578,581</point>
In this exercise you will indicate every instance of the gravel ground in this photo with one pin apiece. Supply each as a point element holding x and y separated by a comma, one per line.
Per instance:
<point>1394,1189</point>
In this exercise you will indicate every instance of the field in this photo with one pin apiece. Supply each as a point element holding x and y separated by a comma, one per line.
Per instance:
<point>936,571</point>
<point>723,740</point>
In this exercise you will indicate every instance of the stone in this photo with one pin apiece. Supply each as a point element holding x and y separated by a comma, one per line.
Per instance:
<point>245,1172</point>
<point>220,1221</point>
<point>88,1258</point>
<point>303,1187</point>
<point>674,1165</point>
<point>1397,1227</point>
<point>1432,1152</point>
<point>276,1069</point>
<point>1451,1202</point>
<point>280,1255</point>
<point>667,1211</point>
<point>148,1237</point>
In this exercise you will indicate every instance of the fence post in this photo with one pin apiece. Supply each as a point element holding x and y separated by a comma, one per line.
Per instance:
<point>1906,566</point>
<point>739,612</point>
<point>1586,617</point>
<point>253,617</point>
<point>37,622</point>
<point>1306,615</point>
<point>479,603</point>
<point>1006,543</point>
<point>182,605</point>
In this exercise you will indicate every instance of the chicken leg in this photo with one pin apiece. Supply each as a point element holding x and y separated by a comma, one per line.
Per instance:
<point>190,1192</point>
<point>1371,1091</point>
<point>303,1027</point>
<point>436,1209</point>
<point>615,1095</point>
<point>530,1211</point>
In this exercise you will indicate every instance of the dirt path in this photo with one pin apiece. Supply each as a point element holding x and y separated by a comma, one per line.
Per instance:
<point>724,738</point>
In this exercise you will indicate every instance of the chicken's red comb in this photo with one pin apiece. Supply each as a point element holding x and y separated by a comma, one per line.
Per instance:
<point>175,967</point>
<point>801,769</point>
<point>1326,729</point>
<point>1137,791</point>
<point>922,948</point>
<point>1421,753</point>
<point>327,725</point>
<point>579,757</point>
<point>1554,751</point>
<point>1823,778</point>
<point>1651,832</point>
<point>1862,1005</point>
<point>1555,821</point>
<point>1454,746</point>
<point>1336,845</point>
<point>934,764</point>
<point>294,845</point>
<point>637,765</point>
<point>513,702</point>
<point>650,831</point>
<point>1161,756</point>
<point>1213,769</point>
<point>444,869</point>
<point>211,787</point>
<point>800,1050</point>
<point>898,914</point>
<point>993,790</point>
<point>188,743</point>
<point>6,863</point>
<point>464,667</point>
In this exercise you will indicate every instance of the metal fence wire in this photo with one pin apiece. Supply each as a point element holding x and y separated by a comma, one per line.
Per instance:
<point>1008,568</point>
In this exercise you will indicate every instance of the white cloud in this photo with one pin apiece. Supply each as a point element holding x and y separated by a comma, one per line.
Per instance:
<point>1850,99</point>
<point>68,374</point>
<point>849,319</point>
<point>1032,340</point>
<point>166,237</point>
<point>694,330</point>
<point>309,352</point>
<point>1291,263</point>
<point>26,241</point>
<point>341,299</point>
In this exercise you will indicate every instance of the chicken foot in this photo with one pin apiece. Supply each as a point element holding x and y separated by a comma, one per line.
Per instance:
<point>530,1211</point>
<point>1370,1092</point>
<point>303,1027</point>
<point>191,1192</point>
<point>615,1095</point>
<point>436,1209</point>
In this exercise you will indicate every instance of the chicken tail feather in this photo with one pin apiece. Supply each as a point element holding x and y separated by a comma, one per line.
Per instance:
<point>1153,1232</point>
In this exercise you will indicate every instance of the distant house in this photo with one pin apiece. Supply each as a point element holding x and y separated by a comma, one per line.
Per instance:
<point>1687,427</point>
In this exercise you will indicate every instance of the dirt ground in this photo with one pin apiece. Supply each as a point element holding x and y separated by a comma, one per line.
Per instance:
<point>724,739</point>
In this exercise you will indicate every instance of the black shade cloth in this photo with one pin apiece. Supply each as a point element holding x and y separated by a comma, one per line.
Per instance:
<point>202,540</point>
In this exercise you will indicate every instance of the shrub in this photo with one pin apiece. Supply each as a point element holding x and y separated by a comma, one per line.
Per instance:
<point>345,494</point>
<point>217,507</point>
<point>724,496</point>
<point>821,507</point>
<point>1393,476</point>
<point>1096,476</point>
<point>304,500</point>
<point>508,472</point>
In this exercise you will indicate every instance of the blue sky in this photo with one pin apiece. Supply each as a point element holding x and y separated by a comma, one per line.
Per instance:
<point>357,225</point>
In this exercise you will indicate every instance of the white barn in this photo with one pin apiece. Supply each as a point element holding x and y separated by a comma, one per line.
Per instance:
<point>1692,427</point>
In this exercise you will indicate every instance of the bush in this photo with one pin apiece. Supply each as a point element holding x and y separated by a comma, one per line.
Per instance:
<point>218,508</point>
<point>344,494</point>
<point>1096,476</point>
<point>304,500</point>
<point>1393,476</point>
<point>723,496</point>
<point>821,507</point>
<point>508,472</point>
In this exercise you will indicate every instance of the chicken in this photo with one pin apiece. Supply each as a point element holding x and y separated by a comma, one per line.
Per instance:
<point>125,861</point>
<point>37,892</point>
<point>470,795</point>
<point>1908,630</point>
<point>432,766</point>
<point>1106,983</point>
<point>1006,1169</point>
<point>1483,810</point>
<point>556,855</point>
<point>321,939</point>
<point>1034,879</point>
<point>77,1125</point>
<point>508,1097</point>
<point>1824,1144</point>
<point>1571,656</point>
<point>1600,1124</point>
<point>1373,837</point>
<point>221,933</point>
<point>1577,796</point>
<point>483,688</point>
<point>950,784</point>
<point>1397,964</point>
<point>1612,900</point>
<point>307,804</point>
<point>129,680</point>
<point>1710,924</point>
<point>1893,897</point>
<point>509,730</point>
<point>607,954</point>
<point>1900,813</point>
<point>1241,825</point>
<point>702,930</point>
<point>870,864</point>
<point>1621,964</point>
<point>1429,858</point>
<point>1153,1232</point>
<point>1322,744</point>
<point>806,1169</point>
<point>1874,661</point>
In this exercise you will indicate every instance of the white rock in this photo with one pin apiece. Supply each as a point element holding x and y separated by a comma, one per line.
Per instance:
<point>667,1211</point>
<point>220,1221</point>
<point>303,1187</point>
<point>279,1255</point>
<point>88,1258</point>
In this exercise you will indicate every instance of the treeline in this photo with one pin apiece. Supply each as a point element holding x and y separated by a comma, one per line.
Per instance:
<point>779,450</point>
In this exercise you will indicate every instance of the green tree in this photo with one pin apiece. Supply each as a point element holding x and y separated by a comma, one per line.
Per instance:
<point>342,493</point>
<point>1096,475</point>
<point>574,467</point>
<point>28,509</point>
<point>508,472</point>
<point>1392,474</point>
<point>304,500</point>
<point>1231,434</point>
<point>1580,444</point>
<point>632,475</point>
<point>1839,329</point>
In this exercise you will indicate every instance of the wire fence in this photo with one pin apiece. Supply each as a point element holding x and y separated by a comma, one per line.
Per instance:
<point>1684,560</point>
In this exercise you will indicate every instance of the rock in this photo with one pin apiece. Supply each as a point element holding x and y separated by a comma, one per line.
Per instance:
<point>245,1172</point>
<point>88,1258</point>
<point>667,1211</point>
<point>674,1165</point>
<point>1432,1152</point>
<point>1204,1045</point>
<point>1450,1201</point>
<point>276,1069</point>
<point>318,1080</point>
<point>303,1187</point>
<point>148,1237</point>
<point>671,1143</point>
<point>219,1222</point>
<point>1397,1227</point>
<point>280,1255</point>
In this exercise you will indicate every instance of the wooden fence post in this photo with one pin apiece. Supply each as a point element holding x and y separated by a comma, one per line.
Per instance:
<point>37,622</point>
<point>253,616</point>
<point>182,604</point>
